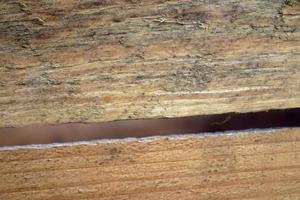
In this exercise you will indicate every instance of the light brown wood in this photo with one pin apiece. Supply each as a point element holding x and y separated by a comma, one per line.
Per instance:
<point>87,61</point>
<point>67,61</point>
<point>258,165</point>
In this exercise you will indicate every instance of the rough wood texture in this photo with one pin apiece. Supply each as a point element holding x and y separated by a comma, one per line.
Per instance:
<point>85,61</point>
<point>251,165</point>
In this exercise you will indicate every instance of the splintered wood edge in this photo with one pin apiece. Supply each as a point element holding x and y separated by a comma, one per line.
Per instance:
<point>151,138</point>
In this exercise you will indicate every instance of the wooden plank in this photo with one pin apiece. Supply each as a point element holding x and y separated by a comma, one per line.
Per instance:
<point>262,164</point>
<point>86,61</point>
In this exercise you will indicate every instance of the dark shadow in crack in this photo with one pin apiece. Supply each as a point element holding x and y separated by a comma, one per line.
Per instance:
<point>73,132</point>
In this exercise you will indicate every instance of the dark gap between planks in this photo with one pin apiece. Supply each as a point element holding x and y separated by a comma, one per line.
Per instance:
<point>72,132</point>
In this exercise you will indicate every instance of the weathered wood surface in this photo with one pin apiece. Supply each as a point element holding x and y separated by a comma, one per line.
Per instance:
<point>251,165</point>
<point>86,61</point>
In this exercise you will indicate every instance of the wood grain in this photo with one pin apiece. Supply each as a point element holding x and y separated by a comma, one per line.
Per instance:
<point>258,165</point>
<point>89,61</point>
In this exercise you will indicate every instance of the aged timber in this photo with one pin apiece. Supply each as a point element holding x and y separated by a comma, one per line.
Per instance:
<point>86,61</point>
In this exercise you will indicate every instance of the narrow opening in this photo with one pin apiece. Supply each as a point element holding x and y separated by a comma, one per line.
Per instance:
<point>72,132</point>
